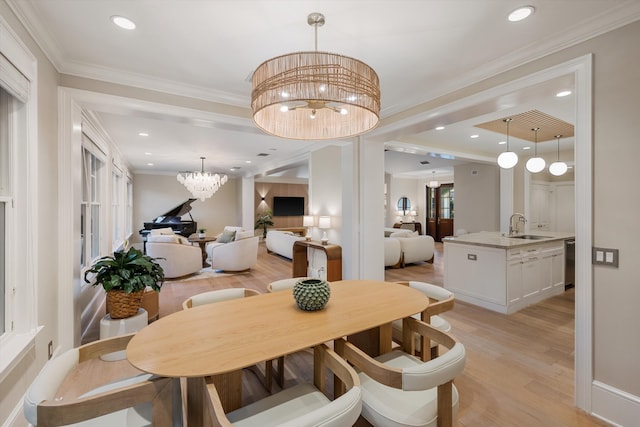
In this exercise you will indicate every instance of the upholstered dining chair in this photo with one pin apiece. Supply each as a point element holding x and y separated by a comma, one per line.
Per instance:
<point>400,389</point>
<point>303,405</point>
<point>440,300</point>
<point>219,295</point>
<point>139,400</point>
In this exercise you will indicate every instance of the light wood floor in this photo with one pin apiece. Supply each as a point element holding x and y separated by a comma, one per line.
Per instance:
<point>519,368</point>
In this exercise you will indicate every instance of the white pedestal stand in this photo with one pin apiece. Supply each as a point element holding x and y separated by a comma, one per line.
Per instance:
<point>115,327</point>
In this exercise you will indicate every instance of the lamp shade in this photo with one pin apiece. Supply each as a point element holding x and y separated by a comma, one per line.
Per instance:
<point>558,168</point>
<point>324,222</point>
<point>535,164</point>
<point>307,221</point>
<point>507,159</point>
<point>315,95</point>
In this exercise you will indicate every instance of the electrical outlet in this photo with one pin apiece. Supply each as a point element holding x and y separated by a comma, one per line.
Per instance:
<point>50,349</point>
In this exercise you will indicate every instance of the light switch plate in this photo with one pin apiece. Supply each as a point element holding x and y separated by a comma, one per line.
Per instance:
<point>605,256</point>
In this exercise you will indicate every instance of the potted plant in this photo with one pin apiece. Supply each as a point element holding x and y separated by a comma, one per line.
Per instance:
<point>201,233</point>
<point>124,276</point>
<point>264,220</point>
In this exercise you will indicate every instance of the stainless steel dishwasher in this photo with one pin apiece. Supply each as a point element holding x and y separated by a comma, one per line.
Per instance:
<point>569,263</point>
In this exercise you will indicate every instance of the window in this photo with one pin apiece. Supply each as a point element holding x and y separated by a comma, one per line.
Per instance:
<point>129,211</point>
<point>5,197</point>
<point>92,201</point>
<point>116,207</point>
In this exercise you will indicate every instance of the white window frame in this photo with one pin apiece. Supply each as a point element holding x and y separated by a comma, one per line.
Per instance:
<point>117,207</point>
<point>22,254</point>
<point>94,188</point>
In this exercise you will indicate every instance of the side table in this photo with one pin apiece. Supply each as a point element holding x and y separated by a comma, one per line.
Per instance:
<point>202,242</point>
<point>115,327</point>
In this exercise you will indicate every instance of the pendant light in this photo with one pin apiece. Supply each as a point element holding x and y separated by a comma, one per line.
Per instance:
<point>434,183</point>
<point>535,164</point>
<point>508,159</point>
<point>558,168</point>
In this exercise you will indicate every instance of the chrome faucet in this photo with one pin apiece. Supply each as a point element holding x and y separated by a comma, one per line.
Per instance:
<point>514,229</point>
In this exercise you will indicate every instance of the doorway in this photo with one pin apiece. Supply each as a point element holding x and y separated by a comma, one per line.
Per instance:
<point>440,211</point>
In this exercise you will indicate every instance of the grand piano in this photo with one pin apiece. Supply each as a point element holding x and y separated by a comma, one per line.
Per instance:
<point>173,219</point>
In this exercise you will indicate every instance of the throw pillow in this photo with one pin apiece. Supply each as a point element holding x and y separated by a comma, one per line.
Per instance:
<point>162,238</point>
<point>226,237</point>
<point>401,234</point>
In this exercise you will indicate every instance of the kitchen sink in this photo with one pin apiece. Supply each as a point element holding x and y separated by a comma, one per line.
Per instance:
<point>529,237</point>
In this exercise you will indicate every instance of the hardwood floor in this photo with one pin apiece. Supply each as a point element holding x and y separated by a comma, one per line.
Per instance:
<point>519,368</point>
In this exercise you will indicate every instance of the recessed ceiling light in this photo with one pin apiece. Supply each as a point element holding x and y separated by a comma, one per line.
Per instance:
<point>502,142</point>
<point>123,22</point>
<point>563,93</point>
<point>440,128</point>
<point>149,164</point>
<point>147,153</point>
<point>143,134</point>
<point>235,168</point>
<point>474,136</point>
<point>247,161</point>
<point>526,148</point>
<point>521,13</point>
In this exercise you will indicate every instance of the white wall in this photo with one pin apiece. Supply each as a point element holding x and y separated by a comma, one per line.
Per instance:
<point>477,197</point>
<point>325,190</point>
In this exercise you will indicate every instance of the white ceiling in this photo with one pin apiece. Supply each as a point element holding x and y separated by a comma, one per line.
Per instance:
<point>208,49</point>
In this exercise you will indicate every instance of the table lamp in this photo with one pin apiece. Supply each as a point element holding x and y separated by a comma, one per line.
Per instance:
<point>324,223</point>
<point>307,221</point>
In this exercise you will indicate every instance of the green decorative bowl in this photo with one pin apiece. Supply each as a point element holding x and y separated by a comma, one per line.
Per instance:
<point>311,294</point>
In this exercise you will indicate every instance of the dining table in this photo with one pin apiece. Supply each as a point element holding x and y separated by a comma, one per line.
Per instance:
<point>221,339</point>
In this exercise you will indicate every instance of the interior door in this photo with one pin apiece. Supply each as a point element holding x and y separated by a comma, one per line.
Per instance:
<point>440,211</point>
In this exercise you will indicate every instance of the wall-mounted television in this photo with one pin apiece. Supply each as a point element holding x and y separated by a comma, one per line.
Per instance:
<point>288,206</point>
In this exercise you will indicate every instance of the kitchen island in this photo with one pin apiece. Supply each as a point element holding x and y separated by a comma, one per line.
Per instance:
<point>505,274</point>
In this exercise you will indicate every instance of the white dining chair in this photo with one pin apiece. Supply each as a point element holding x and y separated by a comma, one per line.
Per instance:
<point>440,300</point>
<point>303,405</point>
<point>400,389</point>
<point>135,401</point>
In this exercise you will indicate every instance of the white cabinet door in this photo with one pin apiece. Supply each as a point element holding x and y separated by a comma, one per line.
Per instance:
<point>557,269</point>
<point>546,271</point>
<point>530,277</point>
<point>514,280</point>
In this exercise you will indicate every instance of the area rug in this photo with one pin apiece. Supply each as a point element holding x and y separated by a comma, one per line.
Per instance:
<point>205,273</point>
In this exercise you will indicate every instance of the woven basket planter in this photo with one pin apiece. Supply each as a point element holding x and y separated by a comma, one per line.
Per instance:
<point>311,294</point>
<point>121,305</point>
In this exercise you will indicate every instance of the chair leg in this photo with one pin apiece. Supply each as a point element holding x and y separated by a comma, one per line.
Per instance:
<point>445,403</point>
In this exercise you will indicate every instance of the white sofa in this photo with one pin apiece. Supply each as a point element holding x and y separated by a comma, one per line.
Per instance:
<point>281,242</point>
<point>237,255</point>
<point>179,257</point>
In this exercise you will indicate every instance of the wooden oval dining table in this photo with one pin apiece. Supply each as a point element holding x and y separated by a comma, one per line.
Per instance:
<point>222,338</point>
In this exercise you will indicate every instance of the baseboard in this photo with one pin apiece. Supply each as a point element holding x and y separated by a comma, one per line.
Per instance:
<point>614,406</point>
<point>15,418</point>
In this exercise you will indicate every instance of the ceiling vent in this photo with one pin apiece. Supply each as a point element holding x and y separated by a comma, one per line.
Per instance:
<point>263,154</point>
<point>424,162</point>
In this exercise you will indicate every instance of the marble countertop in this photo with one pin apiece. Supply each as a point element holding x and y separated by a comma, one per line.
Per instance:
<point>496,239</point>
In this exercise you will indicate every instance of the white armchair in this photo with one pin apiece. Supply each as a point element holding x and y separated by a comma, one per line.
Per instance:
<point>392,252</point>
<point>180,257</point>
<point>238,255</point>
